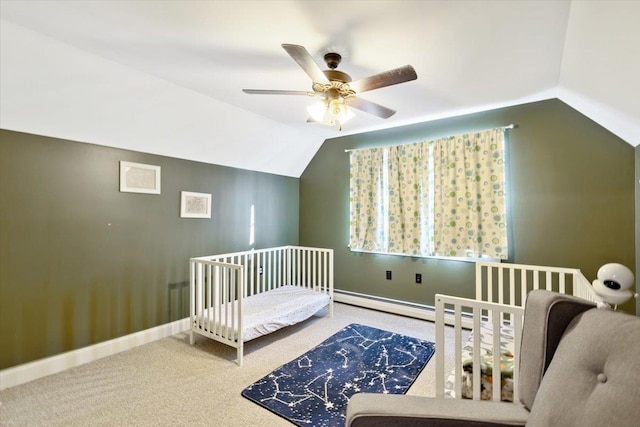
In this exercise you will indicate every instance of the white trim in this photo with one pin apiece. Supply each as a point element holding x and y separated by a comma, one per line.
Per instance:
<point>446,258</point>
<point>52,365</point>
<point>403,308</point>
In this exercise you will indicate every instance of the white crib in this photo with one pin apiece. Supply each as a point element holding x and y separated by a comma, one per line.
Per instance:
<point>501,291</point>
<point>239,296</point>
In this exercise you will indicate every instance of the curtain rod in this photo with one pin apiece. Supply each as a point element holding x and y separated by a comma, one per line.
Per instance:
<point>510,126</point>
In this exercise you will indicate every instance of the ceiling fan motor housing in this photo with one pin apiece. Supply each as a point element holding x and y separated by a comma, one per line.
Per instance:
<point>332,59</point>
<point>335,75</point>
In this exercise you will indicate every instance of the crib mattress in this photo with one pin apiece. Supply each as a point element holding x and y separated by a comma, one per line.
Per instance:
<point>269,311</point>
<point>486,365</point>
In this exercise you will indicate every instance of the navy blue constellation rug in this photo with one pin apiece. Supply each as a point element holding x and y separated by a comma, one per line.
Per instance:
<point>313,390</point>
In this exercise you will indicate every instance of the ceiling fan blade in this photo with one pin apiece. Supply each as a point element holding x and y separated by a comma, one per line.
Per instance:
<point>306,62</point>
<point>387,78</point>
<point>370,107</point>
<point>277,92</point>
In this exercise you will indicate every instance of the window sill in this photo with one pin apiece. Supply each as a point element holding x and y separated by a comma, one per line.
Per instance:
<point>437,257</point>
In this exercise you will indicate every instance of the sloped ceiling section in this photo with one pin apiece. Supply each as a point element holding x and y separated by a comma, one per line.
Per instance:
<point>63,92</point>
<point>166,77</point>
<point>600,74</point>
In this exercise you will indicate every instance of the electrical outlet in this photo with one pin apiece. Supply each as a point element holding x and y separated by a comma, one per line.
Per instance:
<point>388,274</point>
<point>418,278</point>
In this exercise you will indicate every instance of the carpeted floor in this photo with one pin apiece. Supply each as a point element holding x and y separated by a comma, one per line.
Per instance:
<point>170,383</point>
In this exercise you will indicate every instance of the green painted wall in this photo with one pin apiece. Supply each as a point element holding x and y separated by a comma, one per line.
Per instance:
<point>82,263</point>
<point>571,201</point>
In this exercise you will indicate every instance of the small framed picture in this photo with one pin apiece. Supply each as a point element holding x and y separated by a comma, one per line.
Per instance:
<point>139,178</point>
<point>195,205</point>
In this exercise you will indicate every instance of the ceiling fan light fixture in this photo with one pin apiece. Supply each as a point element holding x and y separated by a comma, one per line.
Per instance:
<point>330,112</point>
<point>318,110</point>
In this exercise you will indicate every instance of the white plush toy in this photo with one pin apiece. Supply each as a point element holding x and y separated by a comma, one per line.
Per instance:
<point>613,285</point>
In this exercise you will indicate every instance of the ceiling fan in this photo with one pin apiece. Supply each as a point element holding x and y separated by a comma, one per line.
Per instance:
<point>336,89</point>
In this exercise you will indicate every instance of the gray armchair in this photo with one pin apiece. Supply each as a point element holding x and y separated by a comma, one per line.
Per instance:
<point>580,366</point>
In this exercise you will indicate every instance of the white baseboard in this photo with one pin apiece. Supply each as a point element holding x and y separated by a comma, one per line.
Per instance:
<point>51,365</point>
<point>388,305</point>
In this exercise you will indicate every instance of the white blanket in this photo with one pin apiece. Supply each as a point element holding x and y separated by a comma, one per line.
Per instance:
<point>269,311</point>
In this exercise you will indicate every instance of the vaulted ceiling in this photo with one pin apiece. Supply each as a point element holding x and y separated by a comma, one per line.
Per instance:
<point>166,77</point>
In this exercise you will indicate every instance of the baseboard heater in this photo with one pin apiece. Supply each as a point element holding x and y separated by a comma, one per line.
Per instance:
<point>403,308</point>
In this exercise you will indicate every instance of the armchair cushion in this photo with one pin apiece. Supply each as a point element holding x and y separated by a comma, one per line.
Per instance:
<point>381,410</point>
<point>594,376</point>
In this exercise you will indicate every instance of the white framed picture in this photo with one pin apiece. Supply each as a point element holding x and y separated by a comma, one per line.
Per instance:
<point>195,205</point>
<point>139,178</point>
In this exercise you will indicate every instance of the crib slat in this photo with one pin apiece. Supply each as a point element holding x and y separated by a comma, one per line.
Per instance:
<point>517,330</point>
<point>221,309</point>
<point>205,289</point>
<point>279,267</point>
<point>497,374</point>
<point>246,291</point>
<point>325,272</point>
<point>208,320</point>
<point>479,280</point>
<point>197,293</point>
<point>225,305</point>
<point>477,313</point>
<point>314,279</point>
<point>305,272</point>
<point>440,351</point>
<point>263,280</point>
<point>240,282</point>
<point>192,299</point>
<point>320,272</point>
<point>523,286</point>
<point>500,286</point>
<point>458,349</point>
<point>490,284</point>
<point>269,271</point>
<point>512,286</point>
<point>298,269</point>
<point>302,268</point>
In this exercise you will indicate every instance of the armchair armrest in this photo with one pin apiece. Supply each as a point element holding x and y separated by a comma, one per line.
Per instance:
<point>382,410</point>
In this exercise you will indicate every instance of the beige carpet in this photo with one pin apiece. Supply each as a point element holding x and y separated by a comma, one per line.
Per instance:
<point>170,383</point>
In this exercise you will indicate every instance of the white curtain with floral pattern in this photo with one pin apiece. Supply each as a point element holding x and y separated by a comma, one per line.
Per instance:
<point>408,199</point>
<point>367,207</point>
<point>444,197</point>
<point>470,210</point>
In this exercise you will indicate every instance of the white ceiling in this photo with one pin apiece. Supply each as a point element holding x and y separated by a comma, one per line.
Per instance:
<point>166,77</point>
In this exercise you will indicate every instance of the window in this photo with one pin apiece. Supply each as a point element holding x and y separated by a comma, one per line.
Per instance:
<point>436,198</point>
